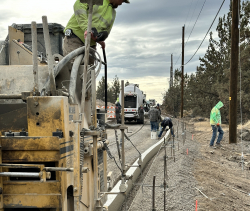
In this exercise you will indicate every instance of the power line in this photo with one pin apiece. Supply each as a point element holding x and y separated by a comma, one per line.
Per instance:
<point>189,23</point>
<point>206,33</point>
<point>184,24</point>
<point>192,14</point>
<point>189,11</point>
<point>177,59</point>
<point>195,21</point>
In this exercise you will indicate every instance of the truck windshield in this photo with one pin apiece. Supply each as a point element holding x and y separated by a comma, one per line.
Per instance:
<point>130,102</point>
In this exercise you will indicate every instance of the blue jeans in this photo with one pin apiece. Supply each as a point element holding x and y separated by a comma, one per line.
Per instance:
<point>215,128</point>
<point>153,126</point>
<point>163,128</point>
<point>157,126</point>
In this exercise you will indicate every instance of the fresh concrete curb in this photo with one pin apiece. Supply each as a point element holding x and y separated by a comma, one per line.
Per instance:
<point>115,201</point>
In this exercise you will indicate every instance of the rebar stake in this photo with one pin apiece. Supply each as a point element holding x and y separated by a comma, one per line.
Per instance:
<point>177,129</point>
<point>165,177</point>
<point>173,145</point>
<point>153,195</point>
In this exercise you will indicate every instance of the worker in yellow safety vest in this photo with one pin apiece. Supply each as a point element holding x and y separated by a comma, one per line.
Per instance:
<point>103,18</point>
<point>215,122</point>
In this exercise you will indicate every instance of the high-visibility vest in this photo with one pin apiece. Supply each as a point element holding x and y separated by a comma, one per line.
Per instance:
<point>103,18</point>
<point>215,116</point>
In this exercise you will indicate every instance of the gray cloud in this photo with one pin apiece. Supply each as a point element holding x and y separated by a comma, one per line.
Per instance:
<point>144,35</point>
<point>5,16</point>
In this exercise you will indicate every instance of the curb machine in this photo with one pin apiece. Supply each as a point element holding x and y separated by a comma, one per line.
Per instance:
<point>134,103</point>
<point>53,155</point>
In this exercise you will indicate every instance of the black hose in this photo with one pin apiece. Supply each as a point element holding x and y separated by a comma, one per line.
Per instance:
<point>106,80</point>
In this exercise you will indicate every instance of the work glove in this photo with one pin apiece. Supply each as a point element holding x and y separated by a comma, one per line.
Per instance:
<point>218,124</point>
<point>92,35</point>
<point>102,36</point>
<point>102,43</point>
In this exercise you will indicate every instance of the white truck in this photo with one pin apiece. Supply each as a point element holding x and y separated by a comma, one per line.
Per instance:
<point>134,101</point>
<point>152,102</point>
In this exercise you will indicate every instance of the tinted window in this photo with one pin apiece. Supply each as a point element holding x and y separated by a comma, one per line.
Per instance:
<point>130,102</point>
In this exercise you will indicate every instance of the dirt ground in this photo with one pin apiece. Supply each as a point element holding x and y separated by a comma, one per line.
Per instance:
<point>211,177</point>
<point>219,171</point>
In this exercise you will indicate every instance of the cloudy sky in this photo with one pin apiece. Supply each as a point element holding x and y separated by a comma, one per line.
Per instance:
<point>145,34</point>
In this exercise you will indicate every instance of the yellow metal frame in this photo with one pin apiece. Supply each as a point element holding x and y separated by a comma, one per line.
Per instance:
<point>46,115</point>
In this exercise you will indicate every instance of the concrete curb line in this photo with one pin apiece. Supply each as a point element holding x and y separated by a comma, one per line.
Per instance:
<point>114,201</point>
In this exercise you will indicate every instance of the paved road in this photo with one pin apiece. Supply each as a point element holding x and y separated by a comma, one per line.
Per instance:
<point>139,134</point>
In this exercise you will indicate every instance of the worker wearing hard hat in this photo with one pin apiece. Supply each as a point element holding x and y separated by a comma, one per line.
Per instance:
<point>102,22</point>
<point>215,122</point>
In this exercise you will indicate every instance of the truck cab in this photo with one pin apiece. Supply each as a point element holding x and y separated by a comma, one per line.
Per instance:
<point>133,103</point>
<point>152,102</point>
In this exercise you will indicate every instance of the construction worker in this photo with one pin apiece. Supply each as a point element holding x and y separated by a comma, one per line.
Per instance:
<point>118,111</point>
<point>154,116</point>
<point>102,22</point>
<point>158,107</point>
<point>166,124</point>
<point>159,120</point>
<point>215,122</point>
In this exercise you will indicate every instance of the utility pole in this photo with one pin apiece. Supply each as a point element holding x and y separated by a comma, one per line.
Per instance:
<point>171,72</point>
<point>170,78</point>
<point>182,70</point>
<point>234,74</point>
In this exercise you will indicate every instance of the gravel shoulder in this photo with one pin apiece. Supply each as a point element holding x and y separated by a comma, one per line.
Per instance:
<point>213,178</point>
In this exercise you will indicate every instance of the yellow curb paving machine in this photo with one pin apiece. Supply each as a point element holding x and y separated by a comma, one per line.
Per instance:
<point>52,154</point>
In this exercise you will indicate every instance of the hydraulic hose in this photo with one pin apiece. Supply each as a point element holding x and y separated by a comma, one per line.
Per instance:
<point>66,59</point>
<point>75,68</point>
<point>73,78</point>
<point>106,80</point>
<point>63,62</point>
<point>94,66</point>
